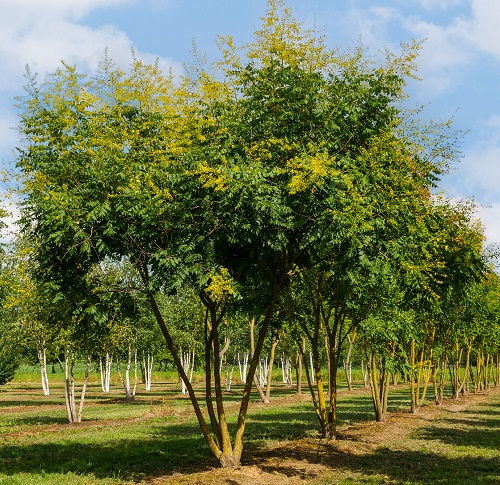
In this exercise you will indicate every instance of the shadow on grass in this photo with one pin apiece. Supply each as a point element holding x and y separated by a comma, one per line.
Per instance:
<point>139,451</point>
<point>474,431</point>
<point>384,465</point>
<point>294,424</point>
<point>157,451</point>
<point>39,420</point>
<point>38,403</point>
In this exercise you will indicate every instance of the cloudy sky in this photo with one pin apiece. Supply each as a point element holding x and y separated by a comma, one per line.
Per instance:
<point>459,63</point>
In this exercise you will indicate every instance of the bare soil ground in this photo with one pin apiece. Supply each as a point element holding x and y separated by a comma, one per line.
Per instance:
<point>351,455</point>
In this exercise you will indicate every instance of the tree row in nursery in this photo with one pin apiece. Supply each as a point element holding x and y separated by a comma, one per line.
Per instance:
<point>285,195</point>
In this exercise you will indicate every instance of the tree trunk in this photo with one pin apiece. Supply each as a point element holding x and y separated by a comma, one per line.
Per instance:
<point>242,366</point>
<point>379,385</point>
<point>105,369</point>
<point>69,387</point>
<point>298,359</point>
<point>270,369</point>
<point>147,363</point>
<point>219,443</point>
<point>84,389</point>
<point>347,363</point>
<point>129,393</point>
<point>42,357</point>
<point>252,352</point>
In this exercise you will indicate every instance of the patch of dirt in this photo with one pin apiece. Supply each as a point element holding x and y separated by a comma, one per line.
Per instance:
<point>305,460</point>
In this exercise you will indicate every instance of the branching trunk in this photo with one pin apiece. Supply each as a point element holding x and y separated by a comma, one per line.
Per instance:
<point>147,365</point>
<point>187,359</point>
<point>74,416</point>
<point>458,381</point>
<point>286,368</point>
<point>421,372</point>
<point>129,392</point>
<point>270,368</point>
<point>379,384</point>
<point>229,375</point>
<point>227,452</point>
<point>242,366</point>
<point>256,381</point>
<point>105,369</point>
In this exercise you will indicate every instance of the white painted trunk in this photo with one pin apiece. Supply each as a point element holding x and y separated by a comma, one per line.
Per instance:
<point>242,365</point>
<point>42,357</point>
<point>187,360</point>
<point>147,363</point>
<point>286,370</point>
<point>135,374</point>
<point>69,388</point>
<point>105,371</point>
<point>84,389</point>
<point>263,371</point>
<point>129,393</point>
<point>229,375</point>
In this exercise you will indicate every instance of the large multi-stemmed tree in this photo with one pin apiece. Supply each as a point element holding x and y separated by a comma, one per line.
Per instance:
<point>231,181</point>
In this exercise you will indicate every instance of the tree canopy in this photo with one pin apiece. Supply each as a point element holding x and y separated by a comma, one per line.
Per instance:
<point>284,157</point>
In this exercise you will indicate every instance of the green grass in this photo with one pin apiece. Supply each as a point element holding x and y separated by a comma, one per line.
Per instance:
<point>458,447</point>
<point>156,435</point>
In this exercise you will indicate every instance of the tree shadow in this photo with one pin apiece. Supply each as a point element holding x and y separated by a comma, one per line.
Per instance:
<point>39,420</point>
<point>393,466</point>
<point>159,451</point>
<point>481,432</point>
<point>38,403</point>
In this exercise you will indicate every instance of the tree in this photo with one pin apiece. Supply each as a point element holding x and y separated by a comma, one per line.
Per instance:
<point>230,182</point>
<point>10,335</point>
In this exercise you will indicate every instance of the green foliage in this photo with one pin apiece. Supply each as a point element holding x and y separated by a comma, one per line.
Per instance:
<point>10,357</point>
<point>286,158</point>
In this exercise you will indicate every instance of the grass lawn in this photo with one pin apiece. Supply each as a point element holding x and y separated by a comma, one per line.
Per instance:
<point>156,439</point>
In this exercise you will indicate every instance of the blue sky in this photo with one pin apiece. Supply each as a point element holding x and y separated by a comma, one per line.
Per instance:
<point>459,63</point>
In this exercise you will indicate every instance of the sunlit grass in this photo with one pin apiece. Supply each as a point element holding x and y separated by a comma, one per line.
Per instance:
<point>157,435</point>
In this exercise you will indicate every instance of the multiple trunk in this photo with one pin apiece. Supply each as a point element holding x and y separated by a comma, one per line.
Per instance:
<point>420,369</point>
<point>74,414</point>
<point>147,368</point>
<point>105,368</point>
<point>226,448</point>
<point>125,380</point>
<point>379,376</point>
<point>187,361</point>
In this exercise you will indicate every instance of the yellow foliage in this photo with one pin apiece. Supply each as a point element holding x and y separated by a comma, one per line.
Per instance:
<point>282,39</point>
<point>309,170</point>
<point>221,285</point>
<point>211,177</point>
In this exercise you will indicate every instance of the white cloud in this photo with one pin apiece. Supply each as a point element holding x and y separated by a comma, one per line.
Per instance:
<point>22,10</point>
<point>482,162</point>
<point>481,168</point>
<point>440,4</point>
<point>8,135</point>
<point>482,30</point>
<point>41,33</point>
<point>458,42</point>
<point>372,25</point>
<point>490,218</point>
<point>479,174</point>
<point>443,52</point>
